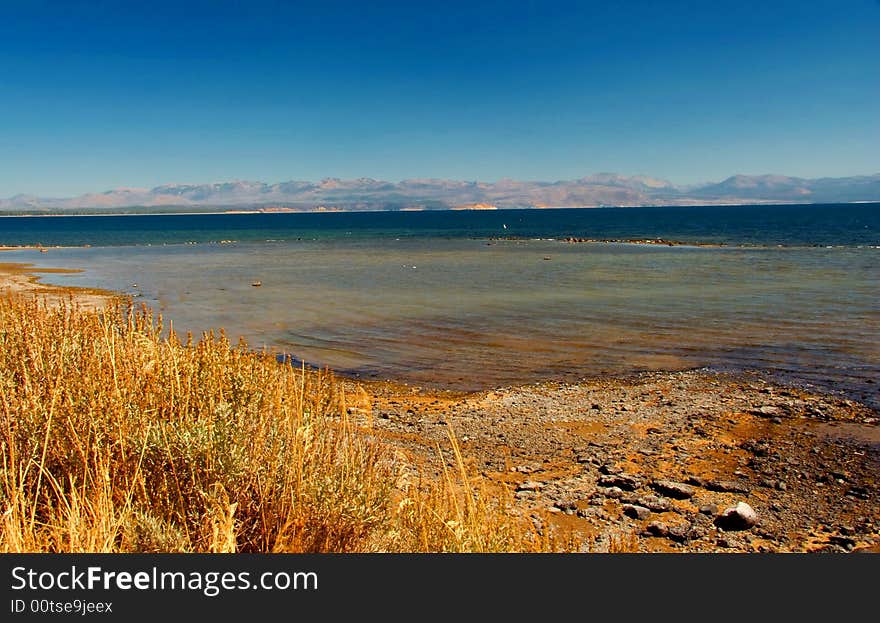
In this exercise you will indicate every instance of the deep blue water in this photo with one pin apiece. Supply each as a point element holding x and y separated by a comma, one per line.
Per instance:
<point>763,225</point>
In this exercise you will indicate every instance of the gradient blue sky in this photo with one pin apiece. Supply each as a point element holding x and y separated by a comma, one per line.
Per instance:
<point>95,95</point>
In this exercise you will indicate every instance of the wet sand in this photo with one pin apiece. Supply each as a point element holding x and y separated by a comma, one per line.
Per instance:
<point>25,279</point>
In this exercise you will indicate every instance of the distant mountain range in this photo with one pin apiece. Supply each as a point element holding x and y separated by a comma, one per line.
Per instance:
<point>603,189</point>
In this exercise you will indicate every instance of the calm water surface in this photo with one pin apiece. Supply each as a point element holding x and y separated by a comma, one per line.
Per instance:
<point>432,298</point>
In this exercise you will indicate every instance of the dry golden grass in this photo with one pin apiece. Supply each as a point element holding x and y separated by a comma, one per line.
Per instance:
<point>118,438</point>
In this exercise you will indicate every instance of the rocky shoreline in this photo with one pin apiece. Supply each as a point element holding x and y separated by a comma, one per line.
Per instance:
<point>693,461</point>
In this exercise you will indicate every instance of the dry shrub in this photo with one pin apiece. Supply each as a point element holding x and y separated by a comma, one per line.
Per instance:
<point>117,436</point>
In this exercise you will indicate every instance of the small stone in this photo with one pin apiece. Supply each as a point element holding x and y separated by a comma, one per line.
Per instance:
<point>673,489</point>
<point>765,411</point>
<point>529,485</point>
<point>739,517</point>
<point>614,492</point>
<point>654,503</point>
<point>679,534</point>
<point>843,541</point>
<point>568,505</point>
<point>726,486</point>
<point>709,509</point>
<point>622,481</point>
<point>636,512</point>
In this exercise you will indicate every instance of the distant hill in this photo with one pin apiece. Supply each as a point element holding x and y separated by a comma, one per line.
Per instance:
<point>781,188</point>
<point>602,189</point>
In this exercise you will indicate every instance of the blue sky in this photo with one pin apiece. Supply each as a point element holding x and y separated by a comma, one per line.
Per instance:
<point>96,95</point>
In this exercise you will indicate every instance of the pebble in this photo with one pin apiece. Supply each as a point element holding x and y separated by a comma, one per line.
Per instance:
<point>568,505</point>
<point>621,481</point>
<point>529,485</point>
<point>613,492</point>
<point>709,509</point>
<point>654,503</point>
<point>696,481</point>
<point>843,541</point>
<point>726,486</point>
<point>679,534</point>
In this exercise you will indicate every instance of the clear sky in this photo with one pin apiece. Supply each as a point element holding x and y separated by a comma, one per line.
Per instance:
<point>97,94</point>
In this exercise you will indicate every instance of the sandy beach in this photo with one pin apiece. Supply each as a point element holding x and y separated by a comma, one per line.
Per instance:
<point>650,462</point>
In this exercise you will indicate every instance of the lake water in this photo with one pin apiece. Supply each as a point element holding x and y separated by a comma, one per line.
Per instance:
<point>478,299</point>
